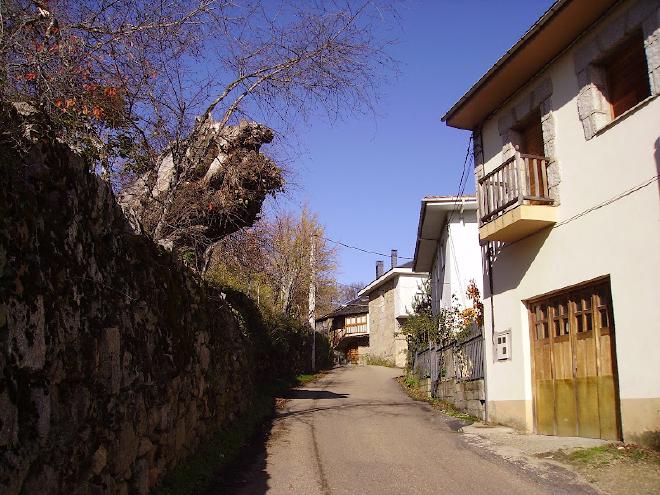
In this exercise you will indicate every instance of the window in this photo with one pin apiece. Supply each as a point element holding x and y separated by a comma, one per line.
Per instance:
<point>626,75</point>
<point>618,67</point>
<point>542,326</point>
<point>560,322</point>
<point>577,312</point>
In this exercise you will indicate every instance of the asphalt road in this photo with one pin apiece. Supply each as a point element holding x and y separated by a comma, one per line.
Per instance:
<point>356,432</point>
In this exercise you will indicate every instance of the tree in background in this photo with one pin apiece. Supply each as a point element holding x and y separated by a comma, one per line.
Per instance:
<point>126,78</point>
<point>450,324</point>
<point>272,263</point>
<point>348,292</point>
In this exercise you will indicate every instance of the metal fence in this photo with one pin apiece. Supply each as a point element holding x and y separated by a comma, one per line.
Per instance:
<point>461,360</point>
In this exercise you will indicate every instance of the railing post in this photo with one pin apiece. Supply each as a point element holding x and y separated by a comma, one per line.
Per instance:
<point>522,177</point>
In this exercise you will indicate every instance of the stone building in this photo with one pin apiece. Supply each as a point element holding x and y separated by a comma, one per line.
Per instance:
<point>390,301</point>
<point>347,328</point>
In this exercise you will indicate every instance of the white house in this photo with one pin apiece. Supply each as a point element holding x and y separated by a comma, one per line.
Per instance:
<point>390,302</point>
<point>448,247</point>
<point>566,139</point>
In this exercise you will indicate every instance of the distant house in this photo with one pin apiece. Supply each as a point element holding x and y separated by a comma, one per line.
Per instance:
<point>566,140</point>
<point>390,301</point>
<point>347,328</point>
<point>448,248</point>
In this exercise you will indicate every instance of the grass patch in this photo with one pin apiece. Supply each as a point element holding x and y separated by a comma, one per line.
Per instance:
<point>605,455</point>
<point>379,361</point>
<point>307,378</point>
<point>410,384</point>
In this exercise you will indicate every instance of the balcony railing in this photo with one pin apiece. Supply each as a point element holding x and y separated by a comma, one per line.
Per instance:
<point>522,179</point>
<point>341,333</point>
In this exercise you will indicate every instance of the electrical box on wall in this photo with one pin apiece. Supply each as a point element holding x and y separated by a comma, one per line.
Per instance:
<point>502,342</point>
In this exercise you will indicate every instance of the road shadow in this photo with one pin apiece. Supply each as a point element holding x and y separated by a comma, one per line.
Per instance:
<point>247,473</point>
<point>312,394</point>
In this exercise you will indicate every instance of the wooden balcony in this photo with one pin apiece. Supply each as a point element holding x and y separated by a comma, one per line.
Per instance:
<point>341,334</point>
<point>514,201</point>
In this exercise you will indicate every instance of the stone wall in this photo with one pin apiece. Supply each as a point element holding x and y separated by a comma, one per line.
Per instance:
<point>116,361</point>
<point>382,324</point>
<point>467,396</point>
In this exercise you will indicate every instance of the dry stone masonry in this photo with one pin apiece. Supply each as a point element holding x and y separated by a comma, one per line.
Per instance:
<point>116,361</point>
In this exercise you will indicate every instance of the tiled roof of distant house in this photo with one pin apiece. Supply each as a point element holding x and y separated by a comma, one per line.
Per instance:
<point>359,305</point>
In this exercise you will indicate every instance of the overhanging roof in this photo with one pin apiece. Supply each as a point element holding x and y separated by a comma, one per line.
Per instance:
<point>561,24</point>
<point>404,270</point>
<point>433,214</point>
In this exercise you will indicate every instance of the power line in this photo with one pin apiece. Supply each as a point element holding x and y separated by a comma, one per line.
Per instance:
<point>462,181</point>
<point>598,206</point>
<point>358,248</point>
<point>622,195</point>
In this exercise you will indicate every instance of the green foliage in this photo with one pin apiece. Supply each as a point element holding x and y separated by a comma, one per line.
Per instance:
<point>410,384</point>
<point>411,381</point>
<point>307,378</point>
<point>379,361</point>
<point>451,323</point>
<point>189,257</point>
<point>607,454</point>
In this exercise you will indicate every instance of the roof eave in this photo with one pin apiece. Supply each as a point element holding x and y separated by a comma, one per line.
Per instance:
<point>469,202</point>
<point>565,19</point>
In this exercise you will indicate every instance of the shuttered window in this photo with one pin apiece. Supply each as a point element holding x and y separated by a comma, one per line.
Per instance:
<point>627,75</point>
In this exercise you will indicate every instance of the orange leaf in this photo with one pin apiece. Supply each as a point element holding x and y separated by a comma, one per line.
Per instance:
<point>30,76</point>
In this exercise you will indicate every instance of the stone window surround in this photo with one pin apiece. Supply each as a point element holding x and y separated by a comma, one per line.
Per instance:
<point>593,107</point>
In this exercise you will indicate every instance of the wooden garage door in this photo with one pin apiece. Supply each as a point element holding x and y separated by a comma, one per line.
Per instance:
<point>574,364</point>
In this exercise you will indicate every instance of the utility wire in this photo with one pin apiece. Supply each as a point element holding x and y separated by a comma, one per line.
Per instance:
<point>461,189</point>
<point>598,206</point>
<point>359,248</point>
<point>462,181</point>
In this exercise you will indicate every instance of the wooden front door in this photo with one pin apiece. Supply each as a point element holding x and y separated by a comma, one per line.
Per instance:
<point>531,143</point>
<point>574,363</point>
<point>352,355</point>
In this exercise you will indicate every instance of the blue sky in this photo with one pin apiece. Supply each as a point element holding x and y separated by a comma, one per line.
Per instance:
<point>365,176</point>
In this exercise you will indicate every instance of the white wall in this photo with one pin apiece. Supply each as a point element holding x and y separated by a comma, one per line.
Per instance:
<point>460,247</point>
<point>465,255</point>
<point>621,239</point>
<point>406,288</point>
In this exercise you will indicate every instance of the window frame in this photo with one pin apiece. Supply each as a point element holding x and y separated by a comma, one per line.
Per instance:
<point>594,108</point>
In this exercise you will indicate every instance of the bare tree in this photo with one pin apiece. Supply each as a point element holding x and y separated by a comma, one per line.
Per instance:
<point>123,80</point>
<point>348,292</point>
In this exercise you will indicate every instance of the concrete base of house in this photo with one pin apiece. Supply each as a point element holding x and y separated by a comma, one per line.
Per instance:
<point>640,420</point>
<point>514,413</point>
